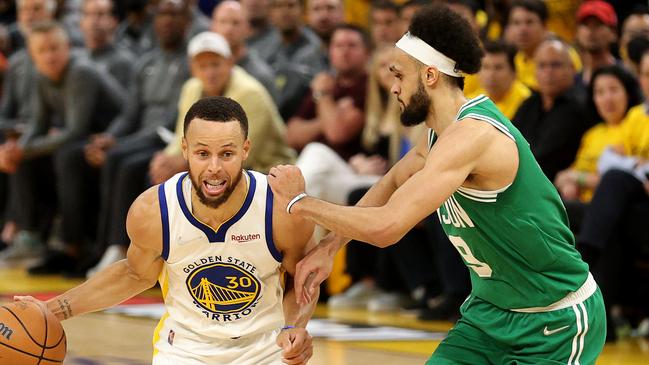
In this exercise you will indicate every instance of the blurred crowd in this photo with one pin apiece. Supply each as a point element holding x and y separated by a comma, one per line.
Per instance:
<point>94,93</point>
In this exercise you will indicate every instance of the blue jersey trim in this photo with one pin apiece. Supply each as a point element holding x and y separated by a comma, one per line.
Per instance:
<point>164,215</point>
<point>269,226</point>
<point>210,233</point>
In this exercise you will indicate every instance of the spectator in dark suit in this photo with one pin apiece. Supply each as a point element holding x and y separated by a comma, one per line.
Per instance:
<point>553,119</point>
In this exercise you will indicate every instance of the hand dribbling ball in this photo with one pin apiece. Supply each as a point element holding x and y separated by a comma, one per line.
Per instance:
<point>30,335</point>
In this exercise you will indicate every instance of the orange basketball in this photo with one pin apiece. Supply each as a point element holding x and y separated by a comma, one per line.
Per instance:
<point>30,335</point>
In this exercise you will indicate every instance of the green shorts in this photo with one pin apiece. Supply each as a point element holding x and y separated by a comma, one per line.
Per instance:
<point>486,334</point>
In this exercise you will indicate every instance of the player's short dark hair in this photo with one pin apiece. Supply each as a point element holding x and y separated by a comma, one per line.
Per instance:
<point>450,34</point>
<point>500,47</point>
<point>633,93</point>
<point>537,7</point>
<point>355,28</point>
<point>217,109</point>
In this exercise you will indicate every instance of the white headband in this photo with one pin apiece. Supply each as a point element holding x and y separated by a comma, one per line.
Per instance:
<point>427,55</point>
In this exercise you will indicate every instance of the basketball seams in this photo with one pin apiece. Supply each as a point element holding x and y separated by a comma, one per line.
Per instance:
<point>25,328</point>
<point>40,358</point>
<point>44,356</point>
<point>29,353</point>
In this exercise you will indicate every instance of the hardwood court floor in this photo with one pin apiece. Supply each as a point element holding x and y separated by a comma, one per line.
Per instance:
<point>115,339</point>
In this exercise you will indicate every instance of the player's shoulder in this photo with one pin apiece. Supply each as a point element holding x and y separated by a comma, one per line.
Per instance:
<point>144,211</point>
<point>469,127</point>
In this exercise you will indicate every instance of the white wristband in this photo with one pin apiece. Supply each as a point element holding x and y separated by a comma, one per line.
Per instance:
<point>297,198</point>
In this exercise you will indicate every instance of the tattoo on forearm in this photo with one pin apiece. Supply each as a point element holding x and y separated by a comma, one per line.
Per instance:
<point>64,305</point>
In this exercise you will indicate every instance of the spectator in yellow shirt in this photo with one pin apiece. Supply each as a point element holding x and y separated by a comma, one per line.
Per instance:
<point>614,228</point>
<point>613,92</point>
<point>216,75</point>
<point>526,30</point>
<point>498,78</point>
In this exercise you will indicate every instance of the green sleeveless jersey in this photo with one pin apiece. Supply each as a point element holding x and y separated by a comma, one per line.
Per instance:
<point>515,240</point>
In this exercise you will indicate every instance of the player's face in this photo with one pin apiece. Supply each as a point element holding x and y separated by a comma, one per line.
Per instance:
<point>215,152</point>
<point>413,100</point>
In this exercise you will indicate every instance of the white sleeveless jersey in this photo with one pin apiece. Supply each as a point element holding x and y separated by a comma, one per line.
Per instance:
<point>224,283</point>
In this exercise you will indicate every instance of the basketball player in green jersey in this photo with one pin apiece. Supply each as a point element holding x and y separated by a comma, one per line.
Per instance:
<point>533,300</point>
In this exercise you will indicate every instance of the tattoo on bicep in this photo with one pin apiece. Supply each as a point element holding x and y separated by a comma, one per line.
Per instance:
<point>65,307</point>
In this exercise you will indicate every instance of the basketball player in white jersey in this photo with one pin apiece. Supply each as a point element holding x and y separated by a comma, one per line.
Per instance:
<point>220,249</point>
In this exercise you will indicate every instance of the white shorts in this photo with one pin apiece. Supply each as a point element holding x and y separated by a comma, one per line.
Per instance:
<point>258,349</point>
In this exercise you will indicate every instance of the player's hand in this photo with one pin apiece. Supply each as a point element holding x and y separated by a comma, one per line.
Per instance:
<point>297,346</point>
<point>314,268</point>
<point>287,182</point>
<point>29,298</point>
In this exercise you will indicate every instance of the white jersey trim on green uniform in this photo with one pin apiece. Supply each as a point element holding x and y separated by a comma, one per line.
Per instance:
<point>475,101</point>
<point>584,292</point>
<point>501,127</point>
<point>581,315</point>
<point>483,196</point>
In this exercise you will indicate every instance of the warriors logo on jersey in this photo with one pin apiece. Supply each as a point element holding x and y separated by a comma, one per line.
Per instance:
<point>223,288</point>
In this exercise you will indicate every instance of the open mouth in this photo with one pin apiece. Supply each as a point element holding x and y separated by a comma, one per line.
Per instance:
<point>214,187</point>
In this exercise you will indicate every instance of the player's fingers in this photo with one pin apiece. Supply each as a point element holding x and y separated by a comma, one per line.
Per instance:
<point>300,358</point>
<point>318,278</point>
<point>301,274</point>
<point>307,283</point>
<point>25,298</point>
<point>283,340</point>
<point>298,342</point>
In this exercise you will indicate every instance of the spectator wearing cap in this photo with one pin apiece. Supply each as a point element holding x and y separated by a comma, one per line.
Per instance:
<point>215,74</point>
<point>596,32</point>
<point>229,20</point>
<point>99,171</point>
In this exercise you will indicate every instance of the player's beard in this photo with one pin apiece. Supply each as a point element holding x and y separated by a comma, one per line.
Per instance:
<point>417,110</point>
<point>214,202</point>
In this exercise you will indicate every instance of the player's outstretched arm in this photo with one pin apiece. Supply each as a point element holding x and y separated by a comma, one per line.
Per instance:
<point>461,148</point>
<point>318,263</point>
<point>292,235</point>
<point>123,279</point>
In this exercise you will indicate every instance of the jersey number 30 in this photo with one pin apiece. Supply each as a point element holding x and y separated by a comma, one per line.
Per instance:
<point>481,268</point>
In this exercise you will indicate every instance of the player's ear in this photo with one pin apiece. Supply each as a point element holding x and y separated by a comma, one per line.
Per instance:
<point>431,75</point>
<point>246,149</point>
<point>184,147</point>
